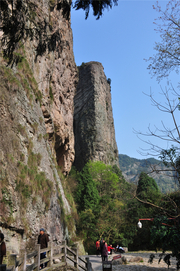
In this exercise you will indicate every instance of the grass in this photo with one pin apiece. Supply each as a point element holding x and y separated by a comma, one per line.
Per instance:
<point>35,127</point>
<point>22,130</point>
<point>51,94</point>
<point>39,138</point>
<point>24,76</point>
<point>32,183</point>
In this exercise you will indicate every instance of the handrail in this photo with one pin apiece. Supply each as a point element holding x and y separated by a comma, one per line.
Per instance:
<point>72,260</point>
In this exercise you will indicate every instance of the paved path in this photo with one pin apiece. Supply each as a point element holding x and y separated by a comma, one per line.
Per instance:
<point>143,266</point>
<point>96,262</point>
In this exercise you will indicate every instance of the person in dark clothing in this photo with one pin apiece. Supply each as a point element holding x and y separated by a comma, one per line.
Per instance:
<point>2,247</point>
<point>43,240</point>
<point>101,245</point>
<point>104,253</point>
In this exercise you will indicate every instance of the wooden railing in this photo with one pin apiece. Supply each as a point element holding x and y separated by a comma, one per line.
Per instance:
<point>56,257</point>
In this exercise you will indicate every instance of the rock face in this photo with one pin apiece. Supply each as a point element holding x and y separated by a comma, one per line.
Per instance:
<point>38,78</point>
<point>54,68</point>
<point>93,118</point>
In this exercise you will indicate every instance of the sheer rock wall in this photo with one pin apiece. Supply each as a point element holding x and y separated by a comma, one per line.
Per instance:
<point>93,118</point>
<point>37,85</point>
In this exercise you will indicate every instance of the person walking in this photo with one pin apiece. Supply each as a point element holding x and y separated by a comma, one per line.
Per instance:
<point>2,247</point>
<point>104,253</point>
<point>101,246</point>
<point>43,240</point>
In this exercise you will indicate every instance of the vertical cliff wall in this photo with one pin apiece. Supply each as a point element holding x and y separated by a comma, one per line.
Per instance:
<point>38,78</point>
<point>93,118</point>
<point>52,62</point>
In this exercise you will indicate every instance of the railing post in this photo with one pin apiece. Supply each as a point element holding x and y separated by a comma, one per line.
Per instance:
<point>88,265</point>
<point>12,260</point>
<point>65,252</point>
<point>37,258</point>
<point>49,254</point>
<point>76,258</point>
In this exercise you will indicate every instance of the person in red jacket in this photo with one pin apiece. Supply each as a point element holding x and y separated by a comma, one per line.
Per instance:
<point>2,247</point>
<point>110,249</point>
<point>98,247</point>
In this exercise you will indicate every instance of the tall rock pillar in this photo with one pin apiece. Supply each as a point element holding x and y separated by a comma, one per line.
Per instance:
<point>93,118</point>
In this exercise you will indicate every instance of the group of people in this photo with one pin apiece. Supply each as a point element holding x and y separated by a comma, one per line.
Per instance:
<point>119,249</point>
<point>103,249</point>
<point>43,240</point>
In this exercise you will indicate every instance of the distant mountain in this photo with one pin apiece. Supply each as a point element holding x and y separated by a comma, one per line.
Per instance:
<point>132,167</point>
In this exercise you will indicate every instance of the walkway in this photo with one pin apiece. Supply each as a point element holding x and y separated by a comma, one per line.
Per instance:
<point>134,266</point>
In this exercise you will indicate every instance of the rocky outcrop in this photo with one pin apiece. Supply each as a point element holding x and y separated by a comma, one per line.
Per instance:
<point>93,118</point>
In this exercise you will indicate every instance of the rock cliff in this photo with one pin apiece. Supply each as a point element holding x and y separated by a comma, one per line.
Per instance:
<point>38,77</point>
<point>93,118</point>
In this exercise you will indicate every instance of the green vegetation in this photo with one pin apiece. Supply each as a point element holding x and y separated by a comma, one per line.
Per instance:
<point>30,182</point>
<point>97,6</point>
<point>87,196</point>
<point>51,93</point>
<point>23,78</point>
<point>109,207</point>
<point>100,192</point>
<point>146,186</point>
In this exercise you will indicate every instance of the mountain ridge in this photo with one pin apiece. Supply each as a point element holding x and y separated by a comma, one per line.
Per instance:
<point>132,167</point>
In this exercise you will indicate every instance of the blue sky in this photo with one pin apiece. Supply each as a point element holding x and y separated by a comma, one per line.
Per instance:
<point>121,40</point>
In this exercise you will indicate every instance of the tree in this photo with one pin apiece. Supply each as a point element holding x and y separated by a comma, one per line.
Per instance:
<point>142,206</point>
<point>86,195</point>
<point>98,6</point>
<point>167,57</point>
<point>169,157</point>
<point>146,185</point>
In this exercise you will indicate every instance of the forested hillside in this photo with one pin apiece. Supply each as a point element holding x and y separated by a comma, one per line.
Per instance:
<point>132,167</point>
<point>109,207</point>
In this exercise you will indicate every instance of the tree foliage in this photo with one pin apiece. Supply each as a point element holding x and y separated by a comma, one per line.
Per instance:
<point>146,186</point>
<point>141,207</point>
<point>87,196</point>
<point>165,234</point>
<point>107,214</point>
<point>167,57</point>
<point>98,6</point>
